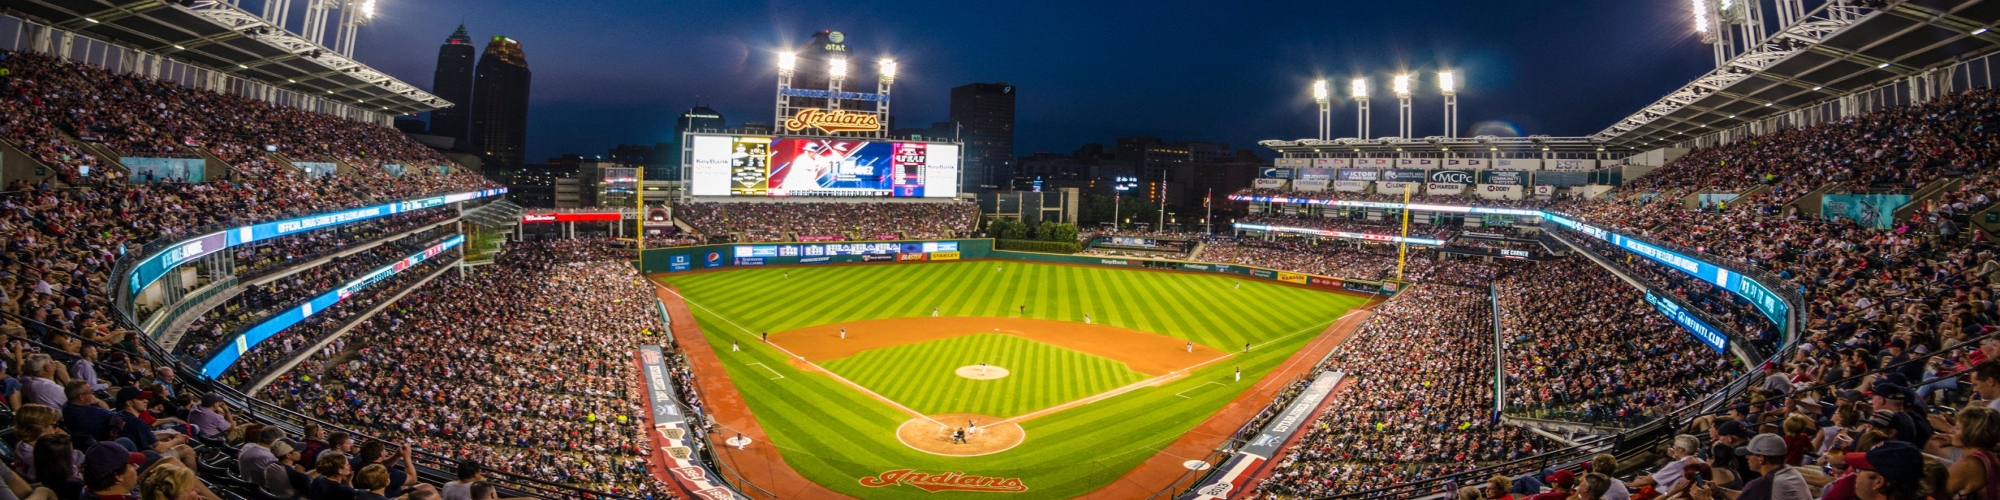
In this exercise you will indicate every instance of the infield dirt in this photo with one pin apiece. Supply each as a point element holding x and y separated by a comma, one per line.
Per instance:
<point>1149,353</point>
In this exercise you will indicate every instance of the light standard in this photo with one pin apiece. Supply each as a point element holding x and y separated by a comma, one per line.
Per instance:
<point>1118,187</point>
<point>1358,89</point>
<point>1448,83</point>
<point>1325,110</point>
<point>888,72</point>
<point>788,63</point>
<point>1402,88</point>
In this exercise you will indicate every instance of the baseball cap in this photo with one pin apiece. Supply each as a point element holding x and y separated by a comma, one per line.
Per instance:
<point>1769,445</point>
<point>210,399</point>
<point>1892,392</point>
<point>1851,395</point>
<point>1562,477</point>
<point>107,456</point>
<point>1898,343</point>
<point>1882,418</point>
<point>1734,428</point>
<point>129,393</point>
<point>1897,461</point>
<point>282,447</point>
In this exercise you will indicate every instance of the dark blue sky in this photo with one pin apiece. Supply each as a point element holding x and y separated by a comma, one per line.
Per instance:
<point>609,72</point>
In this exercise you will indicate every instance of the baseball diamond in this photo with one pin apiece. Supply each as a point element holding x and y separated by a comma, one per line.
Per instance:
<point>1094,400</point>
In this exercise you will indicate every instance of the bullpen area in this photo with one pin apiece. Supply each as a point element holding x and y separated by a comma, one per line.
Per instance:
<point>976,378</point>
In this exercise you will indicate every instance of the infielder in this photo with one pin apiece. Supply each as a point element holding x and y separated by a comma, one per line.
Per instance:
<point>843,334</point>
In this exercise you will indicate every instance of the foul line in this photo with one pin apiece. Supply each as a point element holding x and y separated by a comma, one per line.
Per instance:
<point>802,359</point>
<point>768,369</point>
<point>1190,389</point>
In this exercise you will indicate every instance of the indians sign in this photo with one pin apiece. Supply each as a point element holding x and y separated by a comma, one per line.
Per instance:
<point>831,121</point>
<point>945,481</point>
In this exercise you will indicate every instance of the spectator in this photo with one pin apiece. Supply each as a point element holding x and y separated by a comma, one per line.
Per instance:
<point>1978,474</point>
<point>110,472</point>
<point>1892,471</point>
<point>331,484</point>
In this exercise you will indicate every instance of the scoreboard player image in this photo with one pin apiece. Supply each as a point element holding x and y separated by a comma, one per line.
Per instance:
<point>800,166</point>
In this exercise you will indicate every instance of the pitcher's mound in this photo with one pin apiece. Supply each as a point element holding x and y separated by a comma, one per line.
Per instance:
<point>976,372</point>
<point>933,435</point>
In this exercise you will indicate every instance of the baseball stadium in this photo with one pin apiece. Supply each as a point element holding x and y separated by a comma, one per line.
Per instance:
<point>238,267</point>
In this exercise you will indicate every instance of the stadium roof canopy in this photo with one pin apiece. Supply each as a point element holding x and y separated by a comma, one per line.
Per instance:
<point>1835,50</point>
<point>224,38</point>
<point>1470,146</point>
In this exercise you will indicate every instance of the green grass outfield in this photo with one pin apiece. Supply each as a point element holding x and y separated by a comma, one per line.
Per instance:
<point>923,376</point>
<point>835,435</point>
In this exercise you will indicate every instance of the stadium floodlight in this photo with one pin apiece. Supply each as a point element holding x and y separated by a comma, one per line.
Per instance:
<point>787,61</point>
<point>1358,88</point>
<point>1319,90</point>
<point>1980,31</point>
<point>1402,85</point>
<point>888,68</point>
<point>1447,82</point>
<point>1701,16</point>
<point>838,68</point>
<point>1325,110</point>
<point>368,9</point>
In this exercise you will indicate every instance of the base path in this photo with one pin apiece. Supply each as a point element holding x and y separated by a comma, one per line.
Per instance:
<point>1168,468</point>
<point>989,438</point>
<point>759,465</point>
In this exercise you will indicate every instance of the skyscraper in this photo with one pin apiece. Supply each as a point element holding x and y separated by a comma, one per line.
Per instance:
<point>500,103</point>
<point>453,82</point>
<point>985,114</point>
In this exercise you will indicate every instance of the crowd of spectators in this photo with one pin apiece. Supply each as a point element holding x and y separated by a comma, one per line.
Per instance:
<point>823,221</point>
<point>1347,259</point>
<point>1579,345</point>
<point>1376,227</point>
<point>1417,401</point>
<point>525,365</point>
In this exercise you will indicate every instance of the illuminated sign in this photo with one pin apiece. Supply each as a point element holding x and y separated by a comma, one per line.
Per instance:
<point>1340,234</point>
<point>828,94</point>
<point>836,120</point>
<point>1701,331</point>
<point>1762,298</point>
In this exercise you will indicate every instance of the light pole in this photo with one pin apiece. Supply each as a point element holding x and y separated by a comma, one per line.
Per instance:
<point>1402,88</point>
<point>1448,83</point>
<point>1118,187</point>
<point>788,63</point>
<point>888,73</point>
<point>836,73</point>
<point>1325,110</point>
<point>1358,89</point>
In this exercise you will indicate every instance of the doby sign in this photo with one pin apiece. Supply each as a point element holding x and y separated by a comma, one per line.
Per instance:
<point>836,120</point>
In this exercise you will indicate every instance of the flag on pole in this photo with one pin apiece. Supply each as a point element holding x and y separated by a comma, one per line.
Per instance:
<point>1205,198</point>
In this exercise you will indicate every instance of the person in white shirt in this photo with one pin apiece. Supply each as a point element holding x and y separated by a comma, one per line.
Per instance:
<point>1683,454</point>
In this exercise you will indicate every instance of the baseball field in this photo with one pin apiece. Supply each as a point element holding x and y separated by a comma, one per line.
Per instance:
<point>870,371</point>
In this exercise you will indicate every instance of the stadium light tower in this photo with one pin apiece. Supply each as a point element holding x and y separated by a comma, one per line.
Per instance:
<point>886,70</point>
<point>836,73</point>
<point>788,65</point>
<point>1358,89</point>
<point>1402,88</point>
<point>1325,110</point>
<point>1448,83</point>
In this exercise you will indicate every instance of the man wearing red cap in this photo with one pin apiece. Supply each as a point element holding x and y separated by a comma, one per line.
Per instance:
<point>1892,471</point>
<point>1564,483</point>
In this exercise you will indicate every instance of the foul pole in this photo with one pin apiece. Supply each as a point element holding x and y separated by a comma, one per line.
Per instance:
<point>1403,247</point>
<point>639,215</point>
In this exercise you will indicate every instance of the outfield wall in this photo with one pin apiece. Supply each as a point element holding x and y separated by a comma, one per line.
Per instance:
<point>713,257</point>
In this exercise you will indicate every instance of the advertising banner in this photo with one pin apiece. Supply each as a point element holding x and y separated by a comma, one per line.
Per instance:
<point>1266,274</point>
<point>1868,210</point>
<point>1338,234</point>
<point>1569,165</point>
<point>1233,475</point>
<point>877,258</point>
<point>1292,278</point>
<point>1403,175</point>
<point>1417,163</point>
<point>1387,187</point>
<point>151,170</point>
<point>1350,186</point>
<point>673,437</point>
<point>1453,177</point>
<point>815,260</point>
<point>1561,179</point>
<point>1311,186</point>
<point>1323,163</point>
<point>680,263</point>
<point>1291,162</point>
<point>1756,293</point>
<point>1269,183</point>
<point>903,257</point>
<point>1443,189</point>
<point>1695,326</point>
<point>1545,191</point>
<point>1351,174</point>
<point>712,260</point>
<point>531,218</point>
<point>1498,192</point>
<point>1467,163</point>
<point>1517,164</point>
<point>944,256</point>
<point>1274,173</point>
<point>1508,177</point>
<point>1374,162</point>
<point>1317,174</point>
<point>796,166</point>
<point>1323,281</point>
<point>323,169</point>
<point>1361,286</point>
<point>749,261</point>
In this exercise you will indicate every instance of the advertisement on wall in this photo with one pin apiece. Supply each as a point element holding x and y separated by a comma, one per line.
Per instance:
<point>1561,165</point>
<point>1759,296</point>
<point>1350,186</point>
<point>1310,186</point>
<point>1360,175</point>
<point>1274,173</point>
<point>679,263</point>
<point>761,166</point>
<point>1326,163</point>
<point>1266,274</point>
<point>1403,175</point>
<point>1545,191</point>
<point>1319,174</point>
<point>1499,192</point>
<point>1508,177</point>
<point>151,170</point>
<point>1701,331</point>
<point>1868,210</point>
<point>1291,162</point>
<point>1292,278</point>
<point>1389,187</point>
<point>1517,164</point>
<point>1443,189</point>
<point>1453,176</point>
<point>1269,183</point>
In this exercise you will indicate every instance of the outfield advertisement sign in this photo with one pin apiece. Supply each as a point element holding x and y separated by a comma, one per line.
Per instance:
<point>153,267</point>
<point>1760,297</point>
<point>1420,207</point>
<point>235,348</point>
<point>1339,234</point>
<point>1233,476</point>
<point>1292,277</point>
<point>673,438</point>
<point>1266,274</point>
<point>1694,325</point>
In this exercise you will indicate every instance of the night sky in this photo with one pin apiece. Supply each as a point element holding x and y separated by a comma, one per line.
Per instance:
<point>609,72</point>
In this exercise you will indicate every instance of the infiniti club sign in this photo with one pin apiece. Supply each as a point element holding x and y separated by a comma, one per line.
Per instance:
<point>1452,176</point>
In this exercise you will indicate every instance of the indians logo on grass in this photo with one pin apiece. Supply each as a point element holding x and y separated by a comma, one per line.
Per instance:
<point>945,481</point>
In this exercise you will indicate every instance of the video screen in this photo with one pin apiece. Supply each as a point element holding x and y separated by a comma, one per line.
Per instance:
<point>822,167</point>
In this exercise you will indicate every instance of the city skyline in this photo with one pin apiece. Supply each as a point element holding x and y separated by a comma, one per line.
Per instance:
<point>1236,74</point>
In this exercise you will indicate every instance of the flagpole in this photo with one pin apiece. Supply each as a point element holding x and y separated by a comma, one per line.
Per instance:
<point>1162,225</point>
<point>1208,205</point>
